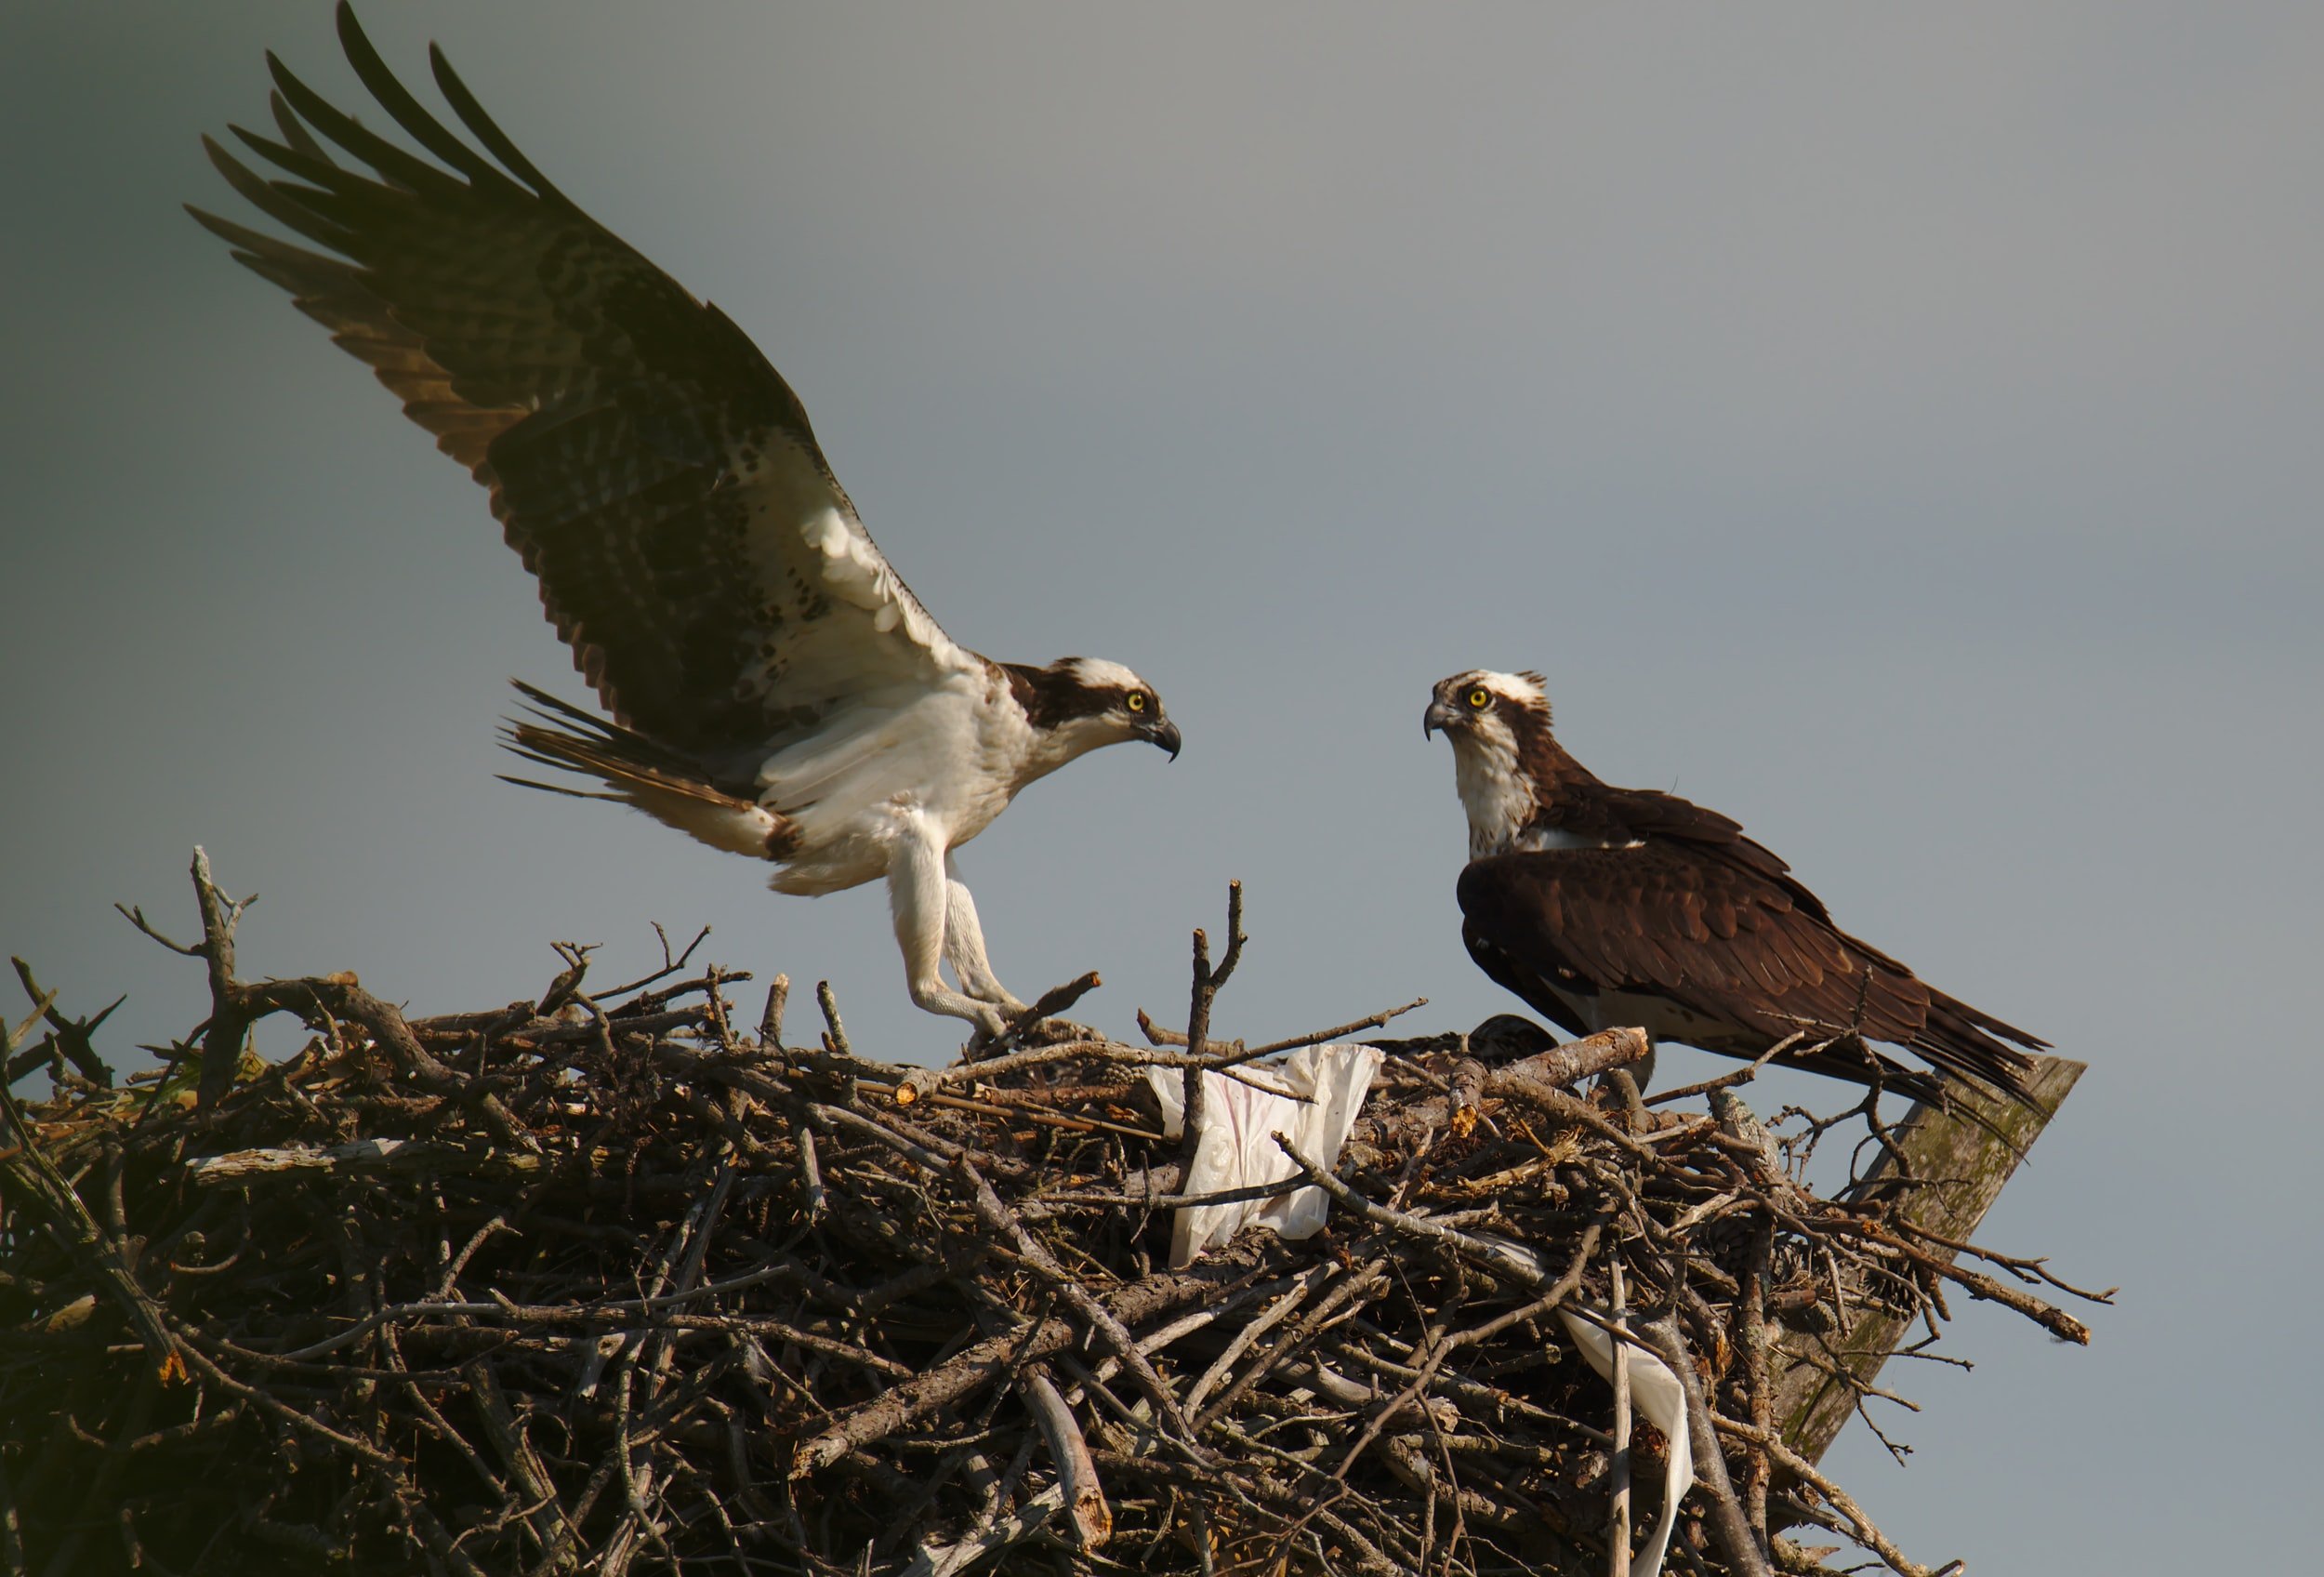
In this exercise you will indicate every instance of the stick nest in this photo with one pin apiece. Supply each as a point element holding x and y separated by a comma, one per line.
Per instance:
<point>602,1281</point>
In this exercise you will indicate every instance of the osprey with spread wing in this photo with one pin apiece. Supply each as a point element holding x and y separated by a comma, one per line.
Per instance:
<point>775,689</point>
<point>1603,907</point>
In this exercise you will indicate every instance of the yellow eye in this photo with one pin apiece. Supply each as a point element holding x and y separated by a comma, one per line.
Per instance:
<point>1137,702</point>
<point>1479,698</point>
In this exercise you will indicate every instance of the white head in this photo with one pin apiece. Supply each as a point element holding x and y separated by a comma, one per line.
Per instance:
<point>1493,721</point>
<point>1076,705</point>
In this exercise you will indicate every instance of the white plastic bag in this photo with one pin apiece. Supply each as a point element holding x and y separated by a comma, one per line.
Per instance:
<point>1236,1148</point>
<point>1655,1392</point>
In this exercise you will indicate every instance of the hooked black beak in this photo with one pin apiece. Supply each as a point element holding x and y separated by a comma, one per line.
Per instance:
<point>1440,714</point>
<point>1165,734</point>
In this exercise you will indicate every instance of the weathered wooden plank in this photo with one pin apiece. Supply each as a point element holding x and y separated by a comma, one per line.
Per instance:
<point>1969,1166</point>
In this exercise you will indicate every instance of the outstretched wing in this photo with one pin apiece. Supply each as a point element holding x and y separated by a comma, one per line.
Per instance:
<point>1726,940</point>
<point>653,470</point>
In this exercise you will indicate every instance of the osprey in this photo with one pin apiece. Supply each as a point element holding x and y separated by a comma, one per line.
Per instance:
<point>774,688</point>
<point>1603,907</point>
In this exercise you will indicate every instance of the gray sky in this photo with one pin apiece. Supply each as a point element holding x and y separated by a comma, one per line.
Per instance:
<point>1895,427</point>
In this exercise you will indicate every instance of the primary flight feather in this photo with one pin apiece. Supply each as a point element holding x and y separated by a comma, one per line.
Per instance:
<point>773,687</point>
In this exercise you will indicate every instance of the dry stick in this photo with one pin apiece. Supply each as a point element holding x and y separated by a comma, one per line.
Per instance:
<point>1269,1317</point>
<point>44,1002</point>
<point>1206,990</point>
<point>68,1039</point>
<point>339,996</point>
<point>771,1017</point>
<point>1570,1109</point>
<point>1091,1519</point>
<point>2054,1319</point>
<point>835,1030</point>
<point>1862,1528</point>
<point>221,1045</point>
<point>971,1370</point>
<point>2023,1269</point>
<point>1463,1097</point>
<point>803,1135</point>
<point>921,1082</point>
<point>1185,1325</point>
<point>1617,1464</point>
<point>358,1158</point>
<point>1728,1525</point>
<point>1157,1034</point>
<point>514,1313</point>
<point>1728,1081</point>
<point>1051,1002</point>
<point>669,966</point>
<point>1568,1063</point>
<point>810,1174</point>
<point>1493,1258</point>
<point>1751,1310</point>
<point>1022,1524</point>
<point>997,1217</point>
<point>1338,1031</point>
<point>516,1453</point>
<point>1163,1198</point>
<point>907,1091</point>
<point>1363,1282</point>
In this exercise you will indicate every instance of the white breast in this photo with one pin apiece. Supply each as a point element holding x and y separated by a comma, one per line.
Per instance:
<point>1498,797</point>
<point>947,754</point>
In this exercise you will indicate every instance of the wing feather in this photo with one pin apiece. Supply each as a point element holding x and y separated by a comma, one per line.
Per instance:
<point>652,467</point>
<point>1634,920</point>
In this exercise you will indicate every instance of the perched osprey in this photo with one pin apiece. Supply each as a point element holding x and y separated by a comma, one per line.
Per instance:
<point>775,689</point>
<point>1603,907</point>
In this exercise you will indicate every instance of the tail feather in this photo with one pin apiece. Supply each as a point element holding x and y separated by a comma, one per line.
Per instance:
<point>569,792</point>
<point>1961,1039</point>
<point>640,772</point>
<point>1956,1039</point>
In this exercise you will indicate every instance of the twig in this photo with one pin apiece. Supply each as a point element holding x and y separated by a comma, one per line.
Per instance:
<point>221,1045</point>
<point>68,1038</point>
<point>770,1017</point>
<point>1617,1464</point>
<point>1861,1527</point>
<point>1195,1098</point>
<point>1729,1527</point>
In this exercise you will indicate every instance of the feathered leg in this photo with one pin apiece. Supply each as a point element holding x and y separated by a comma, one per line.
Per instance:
<point>919,896</point>
<point>964,945</point>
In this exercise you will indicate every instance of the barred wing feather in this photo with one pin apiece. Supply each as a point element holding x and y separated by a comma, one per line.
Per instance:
<point>656,472</point>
